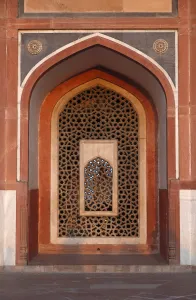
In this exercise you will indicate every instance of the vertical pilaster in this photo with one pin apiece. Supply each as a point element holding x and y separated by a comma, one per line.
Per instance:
<point>193,87</point>
<point>3,88</point>
<point>173,218</point>
<point>11,107</point>
<point>22,224</point>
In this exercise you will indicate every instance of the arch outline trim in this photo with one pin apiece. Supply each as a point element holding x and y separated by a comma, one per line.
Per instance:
<point>138,56</point>
<point>142,166</point>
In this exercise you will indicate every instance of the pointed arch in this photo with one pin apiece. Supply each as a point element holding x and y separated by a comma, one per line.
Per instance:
<point>147,130</point>
<point>84,43</point>
<point>98,39</point>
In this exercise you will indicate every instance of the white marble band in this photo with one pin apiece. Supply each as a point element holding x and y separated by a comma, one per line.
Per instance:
<point>188,227</point>
<point>7,228</point>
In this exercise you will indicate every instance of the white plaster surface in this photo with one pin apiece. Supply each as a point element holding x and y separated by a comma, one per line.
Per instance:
<point>188,227</point>
<point>7,228</point>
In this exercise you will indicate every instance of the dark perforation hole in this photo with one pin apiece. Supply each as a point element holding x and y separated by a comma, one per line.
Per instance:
<point>98,249</point>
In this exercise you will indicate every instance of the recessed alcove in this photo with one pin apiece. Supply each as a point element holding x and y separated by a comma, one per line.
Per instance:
<point>127,70</point>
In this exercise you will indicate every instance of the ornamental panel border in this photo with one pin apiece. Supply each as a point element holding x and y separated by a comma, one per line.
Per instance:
<point>54,171</point>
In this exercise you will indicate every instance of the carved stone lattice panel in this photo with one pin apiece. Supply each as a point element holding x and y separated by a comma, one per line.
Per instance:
<point>98,178</point>
<point>98,181</point>
<point>98,113</point>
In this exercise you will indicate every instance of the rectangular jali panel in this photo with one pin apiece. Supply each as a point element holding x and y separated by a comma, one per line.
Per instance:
<point>98,178</point>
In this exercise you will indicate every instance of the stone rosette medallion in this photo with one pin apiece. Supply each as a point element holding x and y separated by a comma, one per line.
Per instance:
<point>34,47</point>
<point>160,46</point>
<point>155,44</point>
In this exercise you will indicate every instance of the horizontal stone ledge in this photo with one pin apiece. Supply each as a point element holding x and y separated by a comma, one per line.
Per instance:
<point>99,269</point>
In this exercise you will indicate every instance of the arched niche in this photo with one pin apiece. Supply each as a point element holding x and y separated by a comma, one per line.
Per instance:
<point>124,68</point>
<point>100,53</point>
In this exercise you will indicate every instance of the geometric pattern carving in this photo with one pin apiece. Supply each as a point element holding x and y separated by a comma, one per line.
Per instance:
<point>98,175</point>
<point>34,47</point>
<point>160,46</point>
<point>98,113</point>
<point>98,178</point>
<point>172,253</point>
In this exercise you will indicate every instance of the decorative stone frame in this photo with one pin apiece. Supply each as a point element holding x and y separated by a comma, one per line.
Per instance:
<point>40,241</point>
<point>94,14</point>
<point>24,195</point>
<point>110,154</point>
<point>47,110</point>
<point>54,239</point>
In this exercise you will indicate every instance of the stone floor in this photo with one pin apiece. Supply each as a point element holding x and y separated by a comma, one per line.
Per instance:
<point>76,259</point>
<point>45,286</point>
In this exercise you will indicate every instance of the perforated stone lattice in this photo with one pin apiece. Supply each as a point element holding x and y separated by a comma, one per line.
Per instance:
<point>98,113</point>
<point>98,185</point>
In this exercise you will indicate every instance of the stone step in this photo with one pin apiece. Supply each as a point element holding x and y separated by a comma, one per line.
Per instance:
<point>99,269</point>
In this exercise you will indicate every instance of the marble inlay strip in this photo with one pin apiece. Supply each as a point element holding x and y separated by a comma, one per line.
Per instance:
<point>8,229</point>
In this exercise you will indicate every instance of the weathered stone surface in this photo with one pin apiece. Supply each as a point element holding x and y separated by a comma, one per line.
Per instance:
<point>37,286</point>
<point>33,6</point>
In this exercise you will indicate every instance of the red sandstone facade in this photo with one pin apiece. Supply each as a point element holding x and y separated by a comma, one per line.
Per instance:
<point>165,221</point>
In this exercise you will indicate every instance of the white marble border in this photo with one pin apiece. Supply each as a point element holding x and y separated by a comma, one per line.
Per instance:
<point>7,228</point>
<point>94,34</point>
<point>188,227</point>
